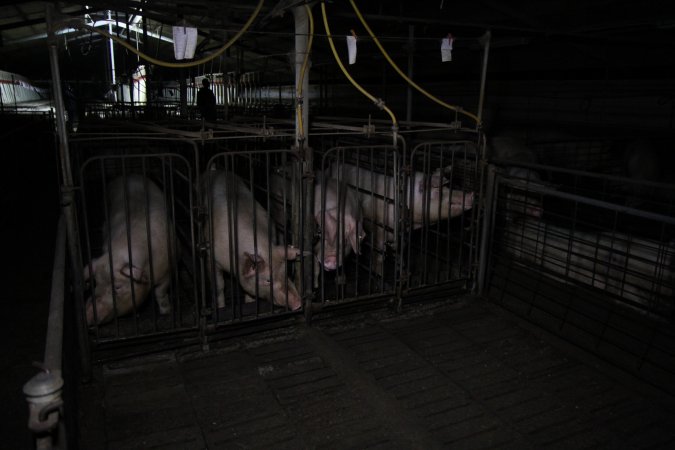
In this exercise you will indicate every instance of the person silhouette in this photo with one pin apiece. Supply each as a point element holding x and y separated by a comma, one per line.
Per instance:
<point>206,102</point>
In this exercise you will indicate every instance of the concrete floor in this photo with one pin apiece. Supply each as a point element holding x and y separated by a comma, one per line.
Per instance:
<point>456,374</point>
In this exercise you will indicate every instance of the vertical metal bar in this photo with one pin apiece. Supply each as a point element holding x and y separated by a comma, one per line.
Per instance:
<point>485,40</point>
<point>43,391</point>
<point>411,54</point>
<point>487,228</point>
<point>113,78</point>
<point>54,340</point>
<point>67,196</point>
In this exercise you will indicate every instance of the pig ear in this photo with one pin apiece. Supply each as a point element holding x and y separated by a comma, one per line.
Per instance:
<point>447,171</point>
<point>252,264</point>
<point>435,184</point>
<point>352,230</point>
<point>438,177</point>
<point>133,272</point>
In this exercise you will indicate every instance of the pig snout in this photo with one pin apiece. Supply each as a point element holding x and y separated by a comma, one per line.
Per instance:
<point>330,262</point>
<point>294,301</point>
<point>285,294</point>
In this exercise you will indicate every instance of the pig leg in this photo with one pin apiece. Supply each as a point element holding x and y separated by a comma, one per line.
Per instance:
<point>162,297</point>
<point>220,289</point>
<point>317,272</point>
<point>378,251</point>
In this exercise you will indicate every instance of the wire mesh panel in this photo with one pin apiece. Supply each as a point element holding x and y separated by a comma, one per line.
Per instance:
<point>442,183</point>
<point>600,274</point>
<point>594,155</point>
<point>117,139</point>
<point>252,254</point>
<point>137,238</point>
<point>357,209</point>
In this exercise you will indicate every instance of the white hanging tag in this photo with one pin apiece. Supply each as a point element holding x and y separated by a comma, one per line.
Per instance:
<point>446,48</point>
<point>184,42</point>
<point>191,44</point>
<point>179,42</point>
<point>351,47</point>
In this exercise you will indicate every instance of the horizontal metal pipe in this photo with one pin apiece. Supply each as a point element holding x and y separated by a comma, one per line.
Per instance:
<point>503,162</point>
<point>542,189</point>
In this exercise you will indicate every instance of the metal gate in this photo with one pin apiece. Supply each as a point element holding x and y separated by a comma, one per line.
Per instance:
<point>238,226</point>
<point>586,267</point>
<point>132,206</point>
<point>420,227</point>
<point>250,228</point>
<point>370,175</point>
<point>443,185</point>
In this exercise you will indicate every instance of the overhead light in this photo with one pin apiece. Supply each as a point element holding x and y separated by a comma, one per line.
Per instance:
<point>184,42</point>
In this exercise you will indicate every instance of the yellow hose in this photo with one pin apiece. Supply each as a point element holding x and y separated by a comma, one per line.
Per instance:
<point>304,67</point>
<point>185,64</point>
<point>380,104</point>
<point>405,77</point>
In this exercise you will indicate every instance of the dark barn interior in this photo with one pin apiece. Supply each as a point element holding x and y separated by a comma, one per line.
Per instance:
<point>463,239</point>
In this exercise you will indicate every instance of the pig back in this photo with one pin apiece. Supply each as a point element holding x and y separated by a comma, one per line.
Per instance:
<point>375,192</point>
<point>147,217</point>
<point>136,240</point>
<point>238,219</point>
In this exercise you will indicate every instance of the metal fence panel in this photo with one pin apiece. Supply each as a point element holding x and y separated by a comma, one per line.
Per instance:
<point>370,175</point>
<point>588,268</point>
<point>443,184</point>
<point>137,237</point>
<point>252,253</point>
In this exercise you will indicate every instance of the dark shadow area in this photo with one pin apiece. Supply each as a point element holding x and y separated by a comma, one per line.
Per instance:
<point>29,192</point>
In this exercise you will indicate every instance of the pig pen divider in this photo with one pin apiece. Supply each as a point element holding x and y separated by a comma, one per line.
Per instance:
<point>596,273</point>
<point>172,178</point>
<point>370,173</point>
<point>441,245</point>
<point>243,233</point>
<point>414,246</point>
<point>395,262</point>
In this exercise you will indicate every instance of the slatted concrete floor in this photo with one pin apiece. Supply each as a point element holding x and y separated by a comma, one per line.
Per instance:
<point>459,375</point>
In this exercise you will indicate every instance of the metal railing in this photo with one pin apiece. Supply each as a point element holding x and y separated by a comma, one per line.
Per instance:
<point>44,391</point>
<point>581,264</point>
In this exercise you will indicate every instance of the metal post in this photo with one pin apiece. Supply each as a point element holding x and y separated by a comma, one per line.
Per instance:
<point>411,52</point>
<point>183,94</point>
<point>301,38</point>
<point>485,40</point>
<point>43,391</point>
<point>67,195</point>
<point>16,107</point>
<point>112,57</point>
<point>306,228</point>
<point>487,228</point>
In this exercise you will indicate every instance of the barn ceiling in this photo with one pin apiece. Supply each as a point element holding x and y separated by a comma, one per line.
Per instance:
<point>534,39</point>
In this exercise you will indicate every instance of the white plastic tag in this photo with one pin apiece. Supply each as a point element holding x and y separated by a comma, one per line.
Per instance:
<point>184,42</point>
<point>351,48</point>
<point>446,49</point>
